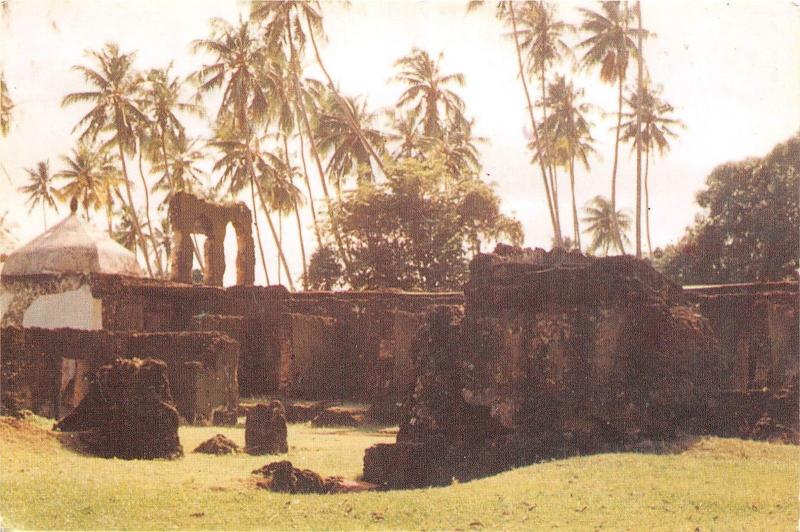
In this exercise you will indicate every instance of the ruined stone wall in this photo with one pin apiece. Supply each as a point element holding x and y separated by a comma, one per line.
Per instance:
<point>352,345</point>
<point>757,325</point>
<point>201,366</point>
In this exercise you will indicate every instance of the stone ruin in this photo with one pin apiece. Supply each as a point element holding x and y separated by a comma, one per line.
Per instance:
<point>127,413</point>
<point>553,354</point>
<point>189,214</point>
<point>265,429</point>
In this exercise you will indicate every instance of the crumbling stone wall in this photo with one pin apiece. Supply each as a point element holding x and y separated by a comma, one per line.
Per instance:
<point>201,366</point>
<point>189,214</point>
<point>555,353</point>
<point>757,325</point>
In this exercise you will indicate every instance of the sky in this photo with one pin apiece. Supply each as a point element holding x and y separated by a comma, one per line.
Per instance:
<point>729,68</point>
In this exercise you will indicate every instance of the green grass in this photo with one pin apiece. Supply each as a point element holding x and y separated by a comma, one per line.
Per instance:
<point>717,484</point>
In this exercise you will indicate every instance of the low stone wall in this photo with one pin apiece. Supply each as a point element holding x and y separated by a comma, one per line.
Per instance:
<point>43,369</point>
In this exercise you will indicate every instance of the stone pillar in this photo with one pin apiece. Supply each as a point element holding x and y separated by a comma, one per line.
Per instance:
<point>214,251</point>
<point>181,257</point>
<point>246,254</point>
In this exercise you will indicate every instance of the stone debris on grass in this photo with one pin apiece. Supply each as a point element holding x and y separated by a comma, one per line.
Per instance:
<point>337,417</point>
<point>219,444</point>
<point>265,429</point>
<point>127,413</point>
<point>285,478</point>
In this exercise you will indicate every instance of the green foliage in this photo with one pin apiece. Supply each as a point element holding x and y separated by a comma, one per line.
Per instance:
<point>324,271</point>
<point>749,229</point>
<point>414,231</point>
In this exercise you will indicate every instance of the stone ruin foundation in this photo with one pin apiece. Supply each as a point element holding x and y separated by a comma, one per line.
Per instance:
<point>127,413</point>
<point>265,429</point>
<point>553,354</point>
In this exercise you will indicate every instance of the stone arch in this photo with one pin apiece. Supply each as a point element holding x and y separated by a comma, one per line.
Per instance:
<point>189,214</point>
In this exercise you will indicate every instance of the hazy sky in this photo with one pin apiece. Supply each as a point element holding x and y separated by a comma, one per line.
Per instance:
<point>730,68</point>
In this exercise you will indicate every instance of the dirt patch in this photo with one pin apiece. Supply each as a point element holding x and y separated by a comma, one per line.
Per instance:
<point>127,413</point>
<point>285,478</point>
<point>265,429</point>
<point>219,445</point>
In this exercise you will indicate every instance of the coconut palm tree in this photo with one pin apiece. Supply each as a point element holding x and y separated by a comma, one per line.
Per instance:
<point>335,136</point>
<point>40,190</point>
<point>658,127</point>
<point>90,176</point>
<point>570,131</point>
<point>285,18</point>
<point>609,46</point>
<point>162,99</point>
<point>458,149</point>
<point>116,109</point>
<point>541,36</point>
<point>507,13</point>
<point>605,227</point>
<point>6,105</point>
<point>181,169</point>
<point>404,134</point>
<point>428,93</point>
<point>238,57</point>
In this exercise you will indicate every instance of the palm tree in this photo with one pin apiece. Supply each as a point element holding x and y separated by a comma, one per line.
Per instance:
<point>181,168</point>
<point>604,226</point>
<point>285,33</point>
<point>40,190</point>
<point>6,105</point>
<point>348,154</point>
<point>162,98</point>
<point>91,176</point>
<point>458,149</point>
<point>570,132</point>
<point>506,12</point>
<point>427,93</point>
<point>542,38</point>
<point>609,46</point>
<point>404,134</point>
<point>284,18</point>
<point>238,55</point>
<point>116,108</point>
<point>658,127</point>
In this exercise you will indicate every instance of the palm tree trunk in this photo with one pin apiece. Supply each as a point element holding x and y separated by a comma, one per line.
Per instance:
<point>575,222</point>
<point>551,167</point>
<point>109,212</point>
<point>308,188</point>
<point>345,108</point>
<point>640,83</point>
<point>296,212</point>
<point>197,254</point>
<point>153,242</point>
<point>281,256</point>
<point>44,216</point>
<point>556,230</point>
<point>647,200</point>
<point>132,209</point>
<point>617,234</point>
<point>279,243</point>
<point>258,232</point>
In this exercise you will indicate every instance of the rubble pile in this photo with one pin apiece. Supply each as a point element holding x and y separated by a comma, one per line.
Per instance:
<point>127,413</point>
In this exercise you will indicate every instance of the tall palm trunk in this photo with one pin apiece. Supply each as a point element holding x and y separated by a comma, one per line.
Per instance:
<point>551,166</point>
<point>647,200</point>
<point>279,243</point>
<point>308,188</point>
<point>44,216</point>
<point>342,104</point>
<point>275,237</point>
<point>640,84</point>
<point>575,222</point>
<point>109,212</point>
<point>258,232</point>
<point>296,212</point>
<point>315,154</point>
<point>617,234</point>
<point>132,209</point>
<point>553,220</point>
<point>153,242</point>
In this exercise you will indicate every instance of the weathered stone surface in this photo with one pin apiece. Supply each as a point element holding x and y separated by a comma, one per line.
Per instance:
<point>189,214</point>
<point>554,353</point>
<point>219,444</point>
<point>285,478</point>
<point>265,429</point>
<point>128,412</point>
<point>224,418</point>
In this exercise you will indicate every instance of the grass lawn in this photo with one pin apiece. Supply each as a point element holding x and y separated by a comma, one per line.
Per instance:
<point>717,484</point>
